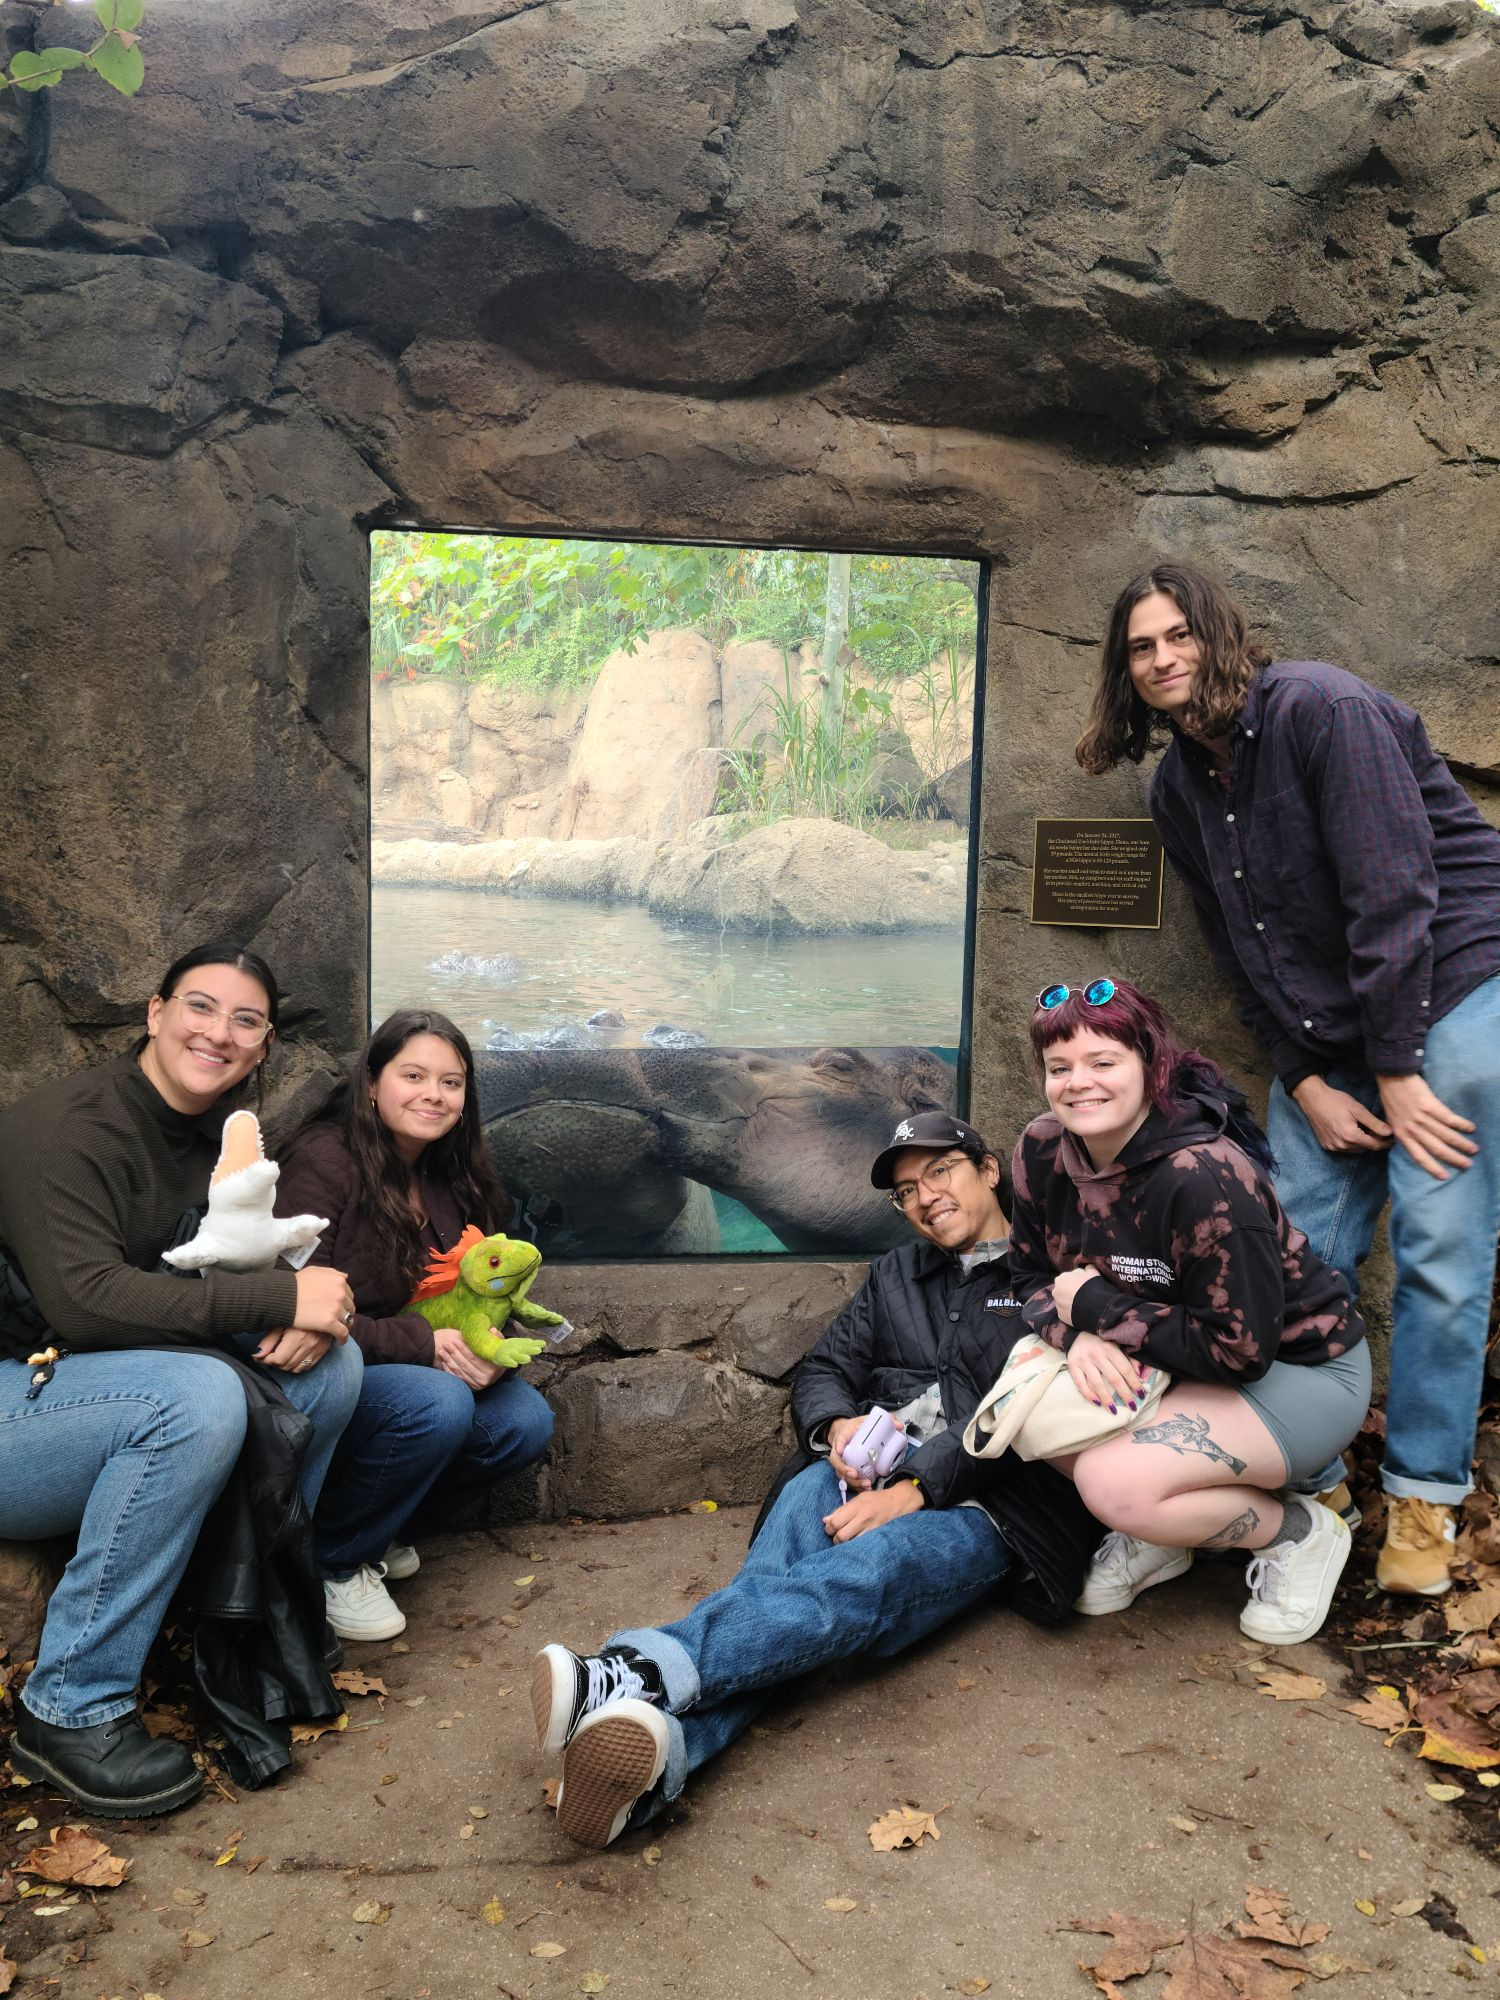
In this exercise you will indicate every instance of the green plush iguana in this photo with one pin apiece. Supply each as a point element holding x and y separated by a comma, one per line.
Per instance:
<point>480,1284</point>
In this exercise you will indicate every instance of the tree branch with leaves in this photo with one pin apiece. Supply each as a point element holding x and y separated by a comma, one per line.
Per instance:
<point>116,55</point>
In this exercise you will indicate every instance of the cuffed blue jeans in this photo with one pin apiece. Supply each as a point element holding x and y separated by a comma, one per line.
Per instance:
<point>130,1449</point>
<point>1442,1241</point>
<point>801,1601</point>
<point>420,1448</point>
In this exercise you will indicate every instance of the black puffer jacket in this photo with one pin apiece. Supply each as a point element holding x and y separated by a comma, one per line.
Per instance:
<point>918,1319</point>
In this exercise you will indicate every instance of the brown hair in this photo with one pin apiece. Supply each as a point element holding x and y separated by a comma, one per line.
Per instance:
<point>1120,724</point>
<point>459,1158</point>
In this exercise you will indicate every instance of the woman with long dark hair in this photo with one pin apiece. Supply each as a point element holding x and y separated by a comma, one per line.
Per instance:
<point>398,1162</point>
<point>127,1436</point>
<point>1146,1230</point>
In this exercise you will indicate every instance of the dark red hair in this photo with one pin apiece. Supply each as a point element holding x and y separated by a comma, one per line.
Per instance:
<point>1174,1072</point>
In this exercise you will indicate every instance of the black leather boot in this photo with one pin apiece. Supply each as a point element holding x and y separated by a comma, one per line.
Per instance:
<point>115,1769</point>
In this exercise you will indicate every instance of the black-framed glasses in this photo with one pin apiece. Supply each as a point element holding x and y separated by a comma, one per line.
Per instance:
<point>932,1178</point>
<point>1095,994</point>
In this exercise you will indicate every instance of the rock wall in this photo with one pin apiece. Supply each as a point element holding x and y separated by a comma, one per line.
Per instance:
<point>1064,286</point>
<point>1059,285</point>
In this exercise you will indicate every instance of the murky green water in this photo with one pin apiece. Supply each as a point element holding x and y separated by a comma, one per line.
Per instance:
<point>554,961</point>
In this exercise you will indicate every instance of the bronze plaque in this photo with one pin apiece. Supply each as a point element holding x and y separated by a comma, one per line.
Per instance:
<point>1105,873</point>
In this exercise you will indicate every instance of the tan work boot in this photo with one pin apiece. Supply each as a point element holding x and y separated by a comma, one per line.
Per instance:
<point>1419,1538</point>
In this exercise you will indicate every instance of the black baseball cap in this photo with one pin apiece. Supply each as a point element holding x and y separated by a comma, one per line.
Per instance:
<point>935,1130</point>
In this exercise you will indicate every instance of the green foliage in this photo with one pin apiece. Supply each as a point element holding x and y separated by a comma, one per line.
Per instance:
<point>522,610</point>
<point>115,56</point>
<point>528,612</point>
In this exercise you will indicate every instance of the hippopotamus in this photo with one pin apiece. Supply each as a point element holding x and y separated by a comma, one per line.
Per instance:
<point>609,1151</point>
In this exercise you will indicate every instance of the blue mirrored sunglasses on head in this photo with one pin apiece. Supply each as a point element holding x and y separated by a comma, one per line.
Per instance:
<point>1093,995</point>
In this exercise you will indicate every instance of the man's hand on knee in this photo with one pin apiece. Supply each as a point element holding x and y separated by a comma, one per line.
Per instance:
<point>873,1510</point>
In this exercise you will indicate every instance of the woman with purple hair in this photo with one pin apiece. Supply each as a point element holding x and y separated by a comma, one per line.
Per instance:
<point>1147,1233</point>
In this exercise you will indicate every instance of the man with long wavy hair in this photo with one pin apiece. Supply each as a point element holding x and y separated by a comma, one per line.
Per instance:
<point>1349,890</point>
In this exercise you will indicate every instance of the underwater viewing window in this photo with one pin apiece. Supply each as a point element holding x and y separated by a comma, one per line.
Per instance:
<point>681,838</point>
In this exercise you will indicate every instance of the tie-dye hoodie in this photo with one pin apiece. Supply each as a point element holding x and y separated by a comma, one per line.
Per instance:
<point>1202,1272</point>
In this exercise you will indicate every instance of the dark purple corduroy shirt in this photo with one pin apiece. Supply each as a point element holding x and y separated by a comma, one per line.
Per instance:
<point>1347,885</point>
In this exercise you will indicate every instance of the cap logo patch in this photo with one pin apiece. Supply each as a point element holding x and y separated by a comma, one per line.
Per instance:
<point>903,1130</point>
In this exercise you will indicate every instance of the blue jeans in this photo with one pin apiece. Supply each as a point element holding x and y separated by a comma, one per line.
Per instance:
<point>1442,1241</point>
<point>129,1448</point>
<point>420,1448</point>
<point>801,1601</point>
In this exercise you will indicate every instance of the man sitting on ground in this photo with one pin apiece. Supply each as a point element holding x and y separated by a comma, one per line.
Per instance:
<point>831,1573</point>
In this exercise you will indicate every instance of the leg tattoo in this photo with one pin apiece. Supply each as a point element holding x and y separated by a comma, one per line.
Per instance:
<point>1183,1434</point>
<point>1235,1532</point>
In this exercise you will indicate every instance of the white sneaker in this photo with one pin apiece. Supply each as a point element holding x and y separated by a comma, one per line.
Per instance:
<point>401,1561</point>
<point>1291,1586</point>
<point>361,1607</point>
<point>1122,1568</point>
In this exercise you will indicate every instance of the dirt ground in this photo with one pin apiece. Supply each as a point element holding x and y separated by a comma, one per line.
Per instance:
<point>1128,1764</point>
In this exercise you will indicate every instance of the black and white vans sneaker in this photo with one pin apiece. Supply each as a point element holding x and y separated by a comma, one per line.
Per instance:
<point>566,1687</point>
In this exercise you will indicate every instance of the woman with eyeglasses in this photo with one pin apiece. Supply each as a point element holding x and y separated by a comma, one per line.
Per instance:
<point>1146,1230</point>
<point>128,1433</point>
<point>398,1163</point>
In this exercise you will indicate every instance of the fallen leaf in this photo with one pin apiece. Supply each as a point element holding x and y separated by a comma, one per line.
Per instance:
<point>704,1507</point>
<point>1184,1825</point>
<point>1215,1968</point>
<point>964,1686</point>
<point>973,1986</point>
<point>1478,1952</point>
<point>549,1792</point>
<point>466,1832</point>
<point>27,1825</point>
<point>652,1857</point>
<point>390,1777</point>
<point>493,1911</point>
<point>1134,1944</point>
<point>524,1582</point>
<point>1409,1908</point>
<point>8,1971</point>
<point>253,1863</point>
<point>1444,1794</point>
<point>351,1681</point>
<point>1266,1917</point>
<point>479,1812</point>
<point>1364,1906</point>
<point>903,1826</point>
<point>548,1950</point>
<point>842,1904</point>
<point>1378,1711</point>
<point>1283,1685</point>
<point>373,1913</point>
<point>1489,1777</point>
<point>71,1855</point>
<point>413,1700</point>
<point>1328,1964</point>
<point>167,1722</point>
<point>226,1857</point>
<point>1452,1733</point>
<point>593,1982</point>
<point>189,1899</point>
<point>1473,1610</point>
<point>197,1940</point>
<point>309,1732</point>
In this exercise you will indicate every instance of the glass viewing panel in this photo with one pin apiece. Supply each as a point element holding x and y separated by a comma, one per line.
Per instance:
<point>679,836</point>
